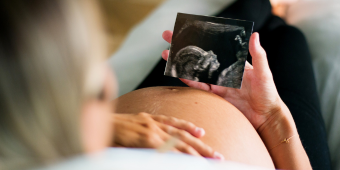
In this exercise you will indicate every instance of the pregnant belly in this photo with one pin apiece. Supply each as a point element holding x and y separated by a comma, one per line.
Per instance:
<point>227,130</point>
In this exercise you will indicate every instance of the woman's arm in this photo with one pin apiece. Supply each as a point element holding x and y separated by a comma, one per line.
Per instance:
<point>282,140</point>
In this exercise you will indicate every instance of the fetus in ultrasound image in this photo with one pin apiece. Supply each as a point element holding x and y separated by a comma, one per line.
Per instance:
<point>194,63</point>
<point>209,49</point>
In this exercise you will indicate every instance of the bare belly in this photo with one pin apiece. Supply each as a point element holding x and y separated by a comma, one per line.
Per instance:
<point>227,130</point>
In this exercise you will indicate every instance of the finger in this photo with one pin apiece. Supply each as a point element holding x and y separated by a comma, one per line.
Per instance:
<point>195,143</point>
<point>117,145</point>
<point>185,148</point>
<point>176,150</point>
<point>248,66</point>
<point>127,134</point>
<point>180,124</point>
<point>259,56</point>
<point>167,36</point>
<point>165,55</point>
<point>195,84</point>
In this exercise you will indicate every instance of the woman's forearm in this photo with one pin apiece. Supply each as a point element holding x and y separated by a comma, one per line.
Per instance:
<point>282,141</point>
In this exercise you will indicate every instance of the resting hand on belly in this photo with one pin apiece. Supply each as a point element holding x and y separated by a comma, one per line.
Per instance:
<point>143,130</point>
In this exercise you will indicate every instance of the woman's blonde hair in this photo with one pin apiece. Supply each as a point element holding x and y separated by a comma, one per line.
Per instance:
<point>47,48</point>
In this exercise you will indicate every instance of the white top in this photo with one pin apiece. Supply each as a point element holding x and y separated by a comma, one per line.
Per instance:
<point>145,159</point>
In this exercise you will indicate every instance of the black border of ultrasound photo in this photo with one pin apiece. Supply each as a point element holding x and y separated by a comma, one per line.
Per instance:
<point>208,49</point>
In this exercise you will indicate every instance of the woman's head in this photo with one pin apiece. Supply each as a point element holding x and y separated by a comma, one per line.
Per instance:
<point>53,82</point>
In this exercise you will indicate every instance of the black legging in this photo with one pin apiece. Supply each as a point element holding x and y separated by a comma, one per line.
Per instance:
<point>290,62</point>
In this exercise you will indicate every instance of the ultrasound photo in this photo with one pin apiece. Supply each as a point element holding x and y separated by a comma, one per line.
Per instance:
<point>209,49</point>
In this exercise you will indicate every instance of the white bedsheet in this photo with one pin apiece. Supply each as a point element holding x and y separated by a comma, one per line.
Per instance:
<point>146,159</point>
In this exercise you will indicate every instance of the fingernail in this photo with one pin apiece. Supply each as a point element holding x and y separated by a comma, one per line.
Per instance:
<point>200,131</point>
<point>257,38</point>
<point>218,156</point>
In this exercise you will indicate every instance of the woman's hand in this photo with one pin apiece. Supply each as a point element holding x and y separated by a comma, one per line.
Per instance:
<point>258,98</point>
<point>153,131</point>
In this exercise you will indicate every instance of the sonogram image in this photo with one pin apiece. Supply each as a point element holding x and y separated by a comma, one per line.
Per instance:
<point>209,49</point>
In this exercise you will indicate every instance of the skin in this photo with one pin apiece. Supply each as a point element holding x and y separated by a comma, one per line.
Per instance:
<point>96,124</point>
<point>143,130</point>
<point>227,130</point>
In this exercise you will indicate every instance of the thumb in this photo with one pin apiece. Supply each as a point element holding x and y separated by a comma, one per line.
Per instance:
<point>259,56</point>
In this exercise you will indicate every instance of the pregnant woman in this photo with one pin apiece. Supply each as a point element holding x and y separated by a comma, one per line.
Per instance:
<point>56,95</point>
<point>274,120</point>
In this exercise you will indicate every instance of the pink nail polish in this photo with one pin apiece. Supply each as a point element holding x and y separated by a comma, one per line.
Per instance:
<point>218,156</point>
<point>258,38</point>
<point>200,131</point>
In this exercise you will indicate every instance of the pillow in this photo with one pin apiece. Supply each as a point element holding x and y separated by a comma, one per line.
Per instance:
<point>319,20</point>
